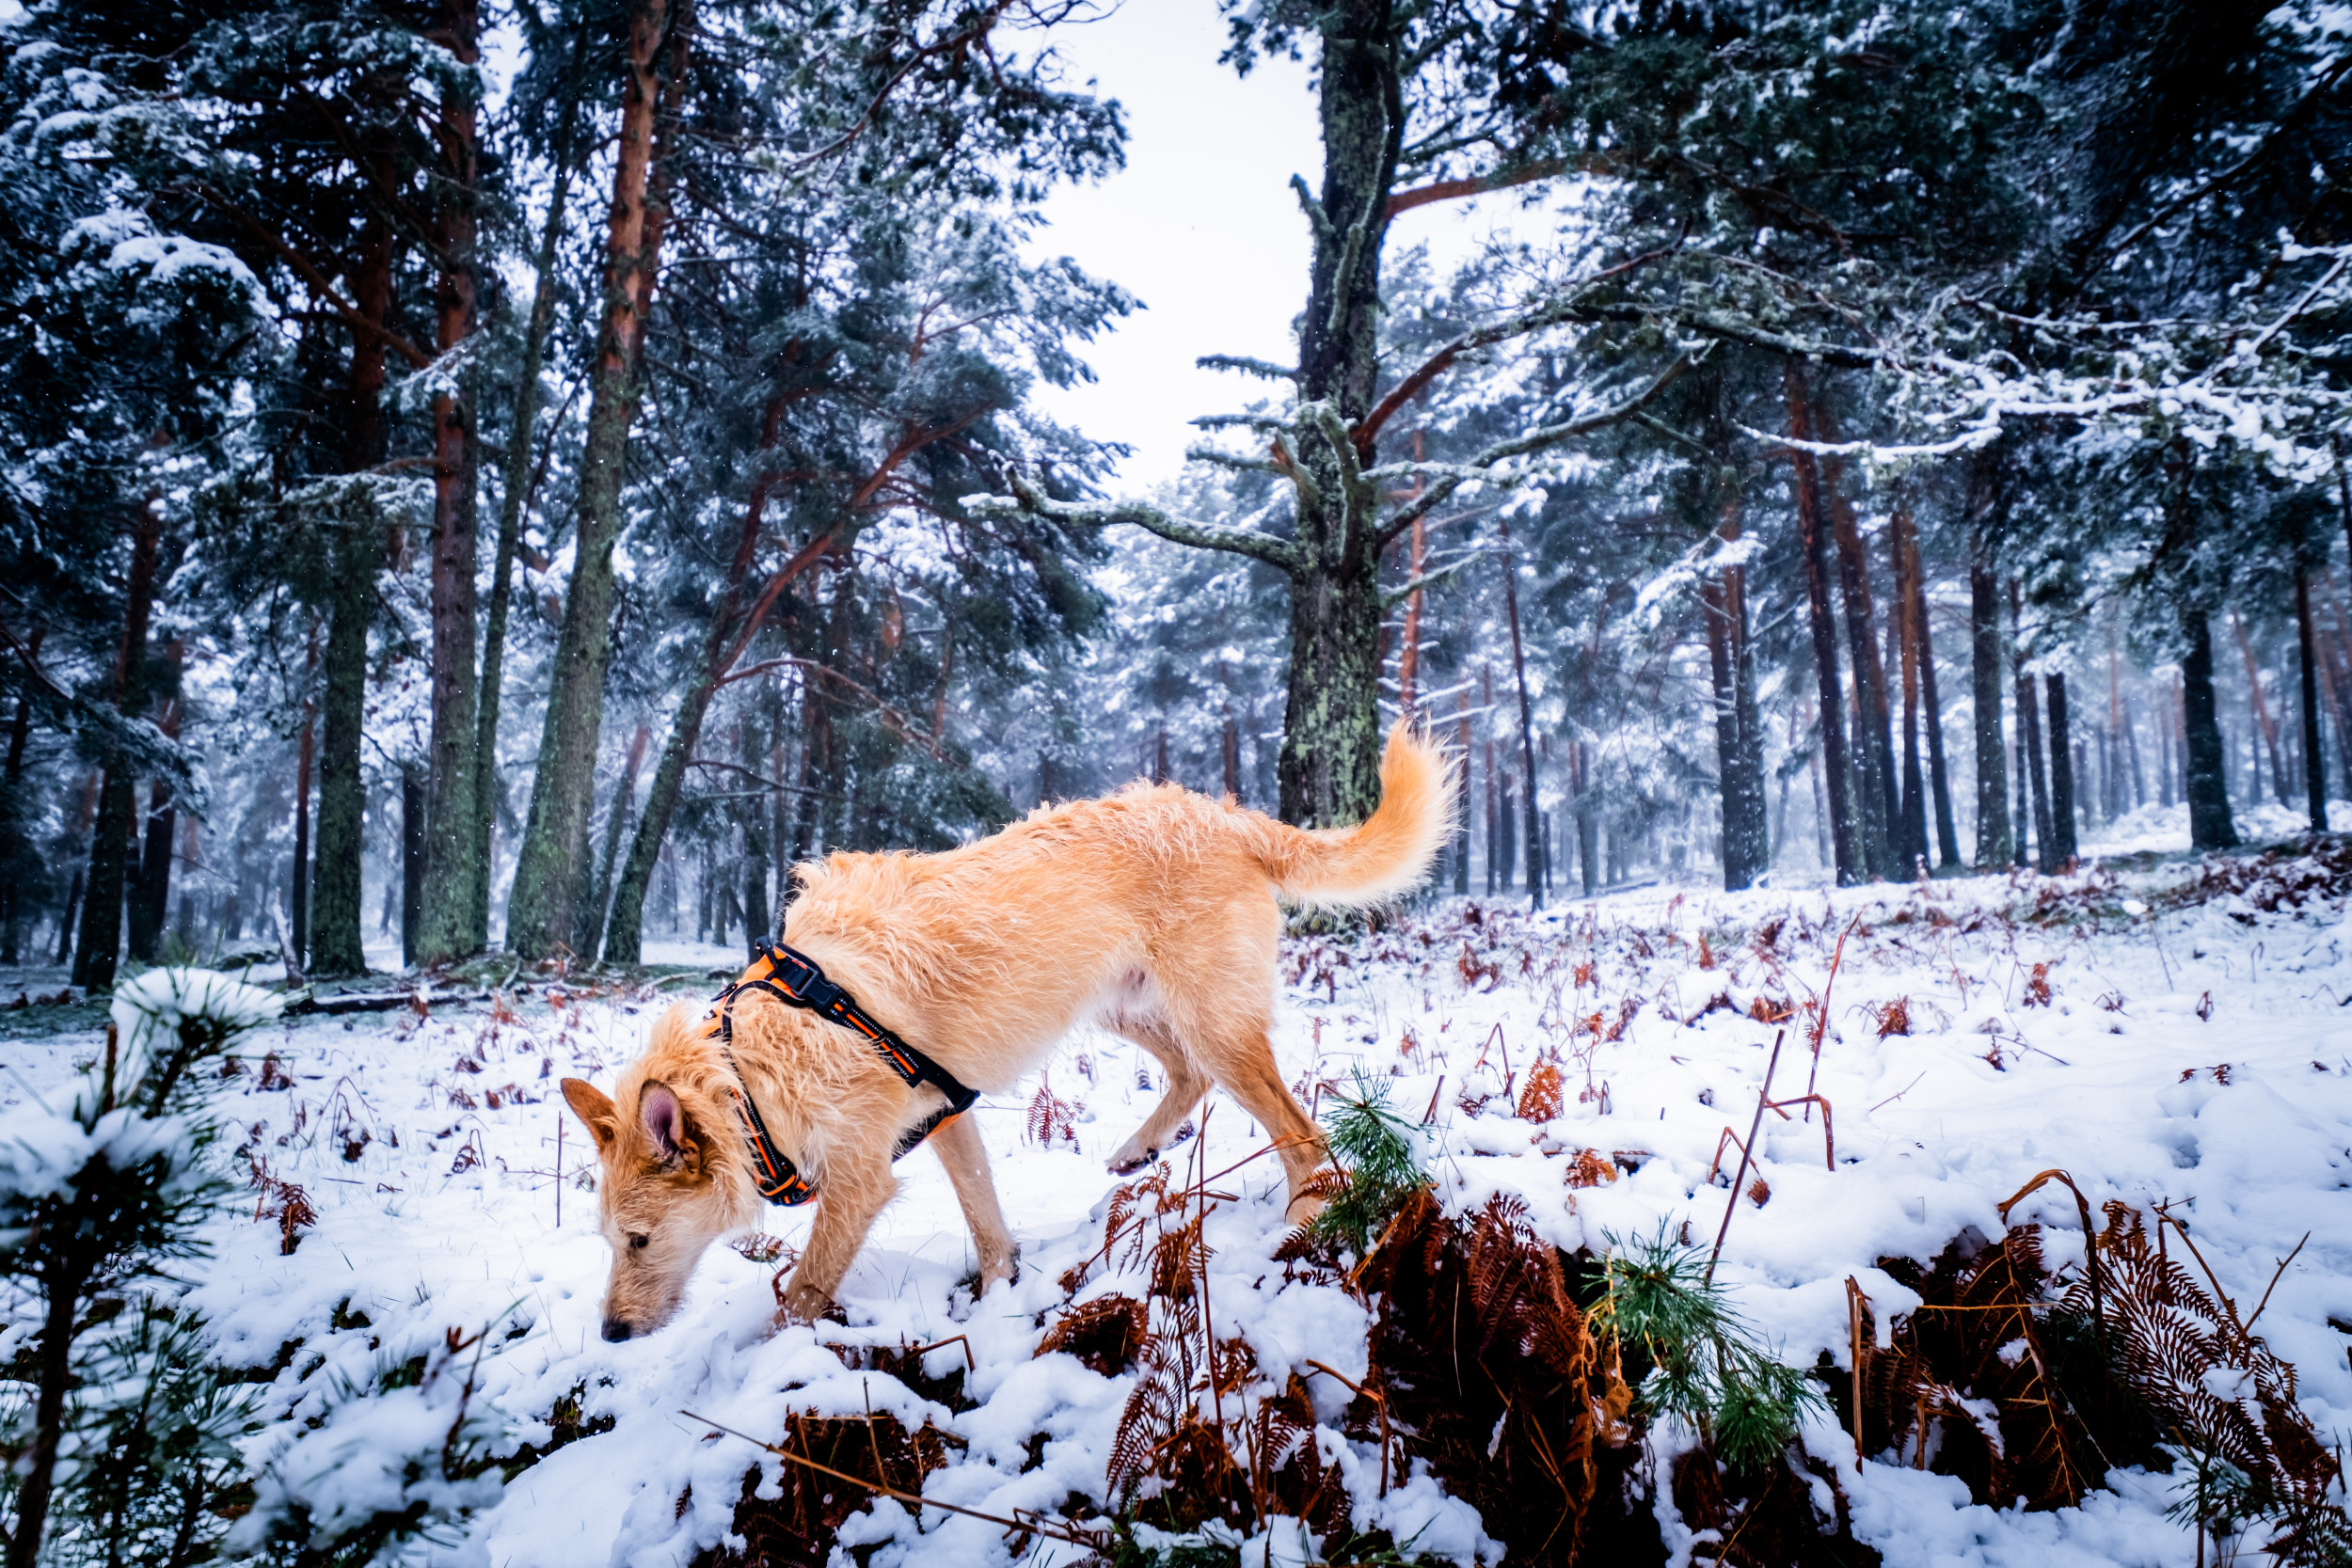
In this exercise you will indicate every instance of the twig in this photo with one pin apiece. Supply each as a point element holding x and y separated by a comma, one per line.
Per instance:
<point>1820,1025</point>
<point>1854,1298</point>
<point>1897,1095</point>
<point>2274,1283</point>
<point>1431,1115</point>
<point>963,1339</point>
<point>1068,1534</point>
<point>1829,1137</point>
<point>1762,1096</point>
<point>1379,1402</point>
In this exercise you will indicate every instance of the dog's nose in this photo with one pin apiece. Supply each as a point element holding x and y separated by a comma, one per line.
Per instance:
<point>616,1329</point>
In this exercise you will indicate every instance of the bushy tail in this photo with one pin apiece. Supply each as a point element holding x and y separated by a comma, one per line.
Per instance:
<point>1388,853</point>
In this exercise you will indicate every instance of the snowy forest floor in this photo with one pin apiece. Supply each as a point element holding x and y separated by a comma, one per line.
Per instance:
<point>2164,1030</point>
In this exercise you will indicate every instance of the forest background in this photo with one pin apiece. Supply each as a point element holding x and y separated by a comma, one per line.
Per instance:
<point>525,476</point>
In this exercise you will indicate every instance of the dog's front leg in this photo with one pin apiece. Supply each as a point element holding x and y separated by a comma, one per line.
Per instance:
<point>851,1194</point>
<point>959,1150</point>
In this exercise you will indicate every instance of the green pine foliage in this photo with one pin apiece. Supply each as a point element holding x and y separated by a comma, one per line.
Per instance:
<point>1692,1357</point>
<point>1379,1153</point>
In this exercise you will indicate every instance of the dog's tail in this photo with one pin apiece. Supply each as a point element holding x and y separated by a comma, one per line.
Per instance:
<point>1387,853</point>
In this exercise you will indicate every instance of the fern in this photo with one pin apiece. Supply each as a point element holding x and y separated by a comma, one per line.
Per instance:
<point>1705,1367</point>
<point>1381,1153</point>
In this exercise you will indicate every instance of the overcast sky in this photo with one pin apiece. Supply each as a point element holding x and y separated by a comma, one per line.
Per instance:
<point>1202,226</point>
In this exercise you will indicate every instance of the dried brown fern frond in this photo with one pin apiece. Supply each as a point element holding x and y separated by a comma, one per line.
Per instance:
<point>1104,1333</point>
<point>1540,1097</point>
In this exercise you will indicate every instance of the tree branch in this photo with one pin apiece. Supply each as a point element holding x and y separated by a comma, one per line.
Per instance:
<point>1452,477</point>
<point>1553,313</point>
<point>1247,366</point>
<point>1029,497</point>
<point>308,272</point>
<point>1477,184</point>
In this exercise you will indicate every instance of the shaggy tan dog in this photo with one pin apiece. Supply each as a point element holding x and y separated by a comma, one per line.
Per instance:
<point>1151,914</point>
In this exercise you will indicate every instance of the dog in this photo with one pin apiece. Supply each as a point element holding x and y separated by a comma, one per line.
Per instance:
<point>1150,913</point>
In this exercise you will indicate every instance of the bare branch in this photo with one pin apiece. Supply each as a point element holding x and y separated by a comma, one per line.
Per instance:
<point>1247,366</point>
<point>1477,184</point>
<point>1029,497</point>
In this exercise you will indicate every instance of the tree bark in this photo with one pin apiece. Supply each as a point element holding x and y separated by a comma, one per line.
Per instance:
<point>2209,823</point>
<point>540,913</point>
<point>2315,760</point>
<point>1995,845</point>
<point>150,887</point>
<point>1873,737</point>
<point>101,946</point>
<point>616,821</point>
<point>513,497</point>
<point>2262,717</point>
<point>1844,824</point>
<point>444,923</point>
<point>1939,774</point>
<point>1527,720</point>
<point>335,945</point>
<point>306,751</point>
<point>2065,846</point>
<point>414,850</point>
<point>2033,777</point>
<point>1461,838</point>
<point>1329,761</point>
<point>1906,622</point>
<point>13,840</point>
<point>1731,667</point>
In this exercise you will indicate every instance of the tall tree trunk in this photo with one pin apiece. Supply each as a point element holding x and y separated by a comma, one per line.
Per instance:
<point>1845,820</point>
<point>1874,745</point>
<point>13,840</point>
<point>101,945</point>
<point>2314,761</point>
<point>414,852</point>
<point>616,823</point>
<point>1461,826</point>
<point>1408,656</point>
<point>2064,845</point>
<point>1527,720</point>
<point>755,922</point>
<point>1587,821</point>
<point>2263,717</point>
<point>1731,667</point>
<point>1905,620</point>
<point>1995,845</point>
<point>540,914</point>
<point>1939,775</point>
<point>150,891</point>
<point>306,751</point>
<point>1497,861</point>
<point>335,945</point>
<point>2033,777</point>
<point>445,924</point>
<point>513,497</point>
<point>1329,762</point>
<point>2209,823</point>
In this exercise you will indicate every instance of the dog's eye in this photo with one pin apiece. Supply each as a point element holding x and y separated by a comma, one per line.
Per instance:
<point>639,1240</point>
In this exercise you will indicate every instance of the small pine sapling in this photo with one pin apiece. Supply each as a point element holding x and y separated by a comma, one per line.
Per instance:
<point>1691,1356</point>
<point>1378,1153</point>
<point>95,1201</point>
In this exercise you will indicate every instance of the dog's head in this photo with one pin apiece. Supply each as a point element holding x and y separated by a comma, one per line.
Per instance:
<point>663,1196</point>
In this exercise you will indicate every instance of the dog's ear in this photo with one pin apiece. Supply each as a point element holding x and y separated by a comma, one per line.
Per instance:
<point>595,1108</point>
<point>666,1125</point>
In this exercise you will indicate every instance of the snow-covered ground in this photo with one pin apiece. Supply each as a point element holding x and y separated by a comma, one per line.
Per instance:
<point>2197,1052</point>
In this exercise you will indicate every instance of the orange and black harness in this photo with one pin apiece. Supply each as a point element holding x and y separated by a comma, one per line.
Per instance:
<point>793,978</point>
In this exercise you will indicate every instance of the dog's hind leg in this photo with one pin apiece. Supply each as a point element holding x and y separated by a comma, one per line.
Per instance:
<point>1228,1037</point>
<point>957,1142</point>
<point>1186,1083</point>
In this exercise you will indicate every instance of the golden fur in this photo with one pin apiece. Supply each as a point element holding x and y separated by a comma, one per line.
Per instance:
<point>1150,913</point>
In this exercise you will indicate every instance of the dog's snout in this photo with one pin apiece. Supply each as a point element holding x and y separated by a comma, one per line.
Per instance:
<point>616,1329</point>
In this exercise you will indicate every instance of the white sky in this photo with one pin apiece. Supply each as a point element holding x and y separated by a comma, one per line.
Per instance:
<point>1202,226</point>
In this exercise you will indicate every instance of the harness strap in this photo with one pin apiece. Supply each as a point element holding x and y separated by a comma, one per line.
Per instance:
<point>794,978</point>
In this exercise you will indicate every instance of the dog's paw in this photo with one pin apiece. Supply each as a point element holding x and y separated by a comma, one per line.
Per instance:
<point>805,1304</point>
<point>1127,1162</point>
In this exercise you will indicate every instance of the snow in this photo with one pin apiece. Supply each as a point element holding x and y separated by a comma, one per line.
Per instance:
<point>2196,1053</point>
